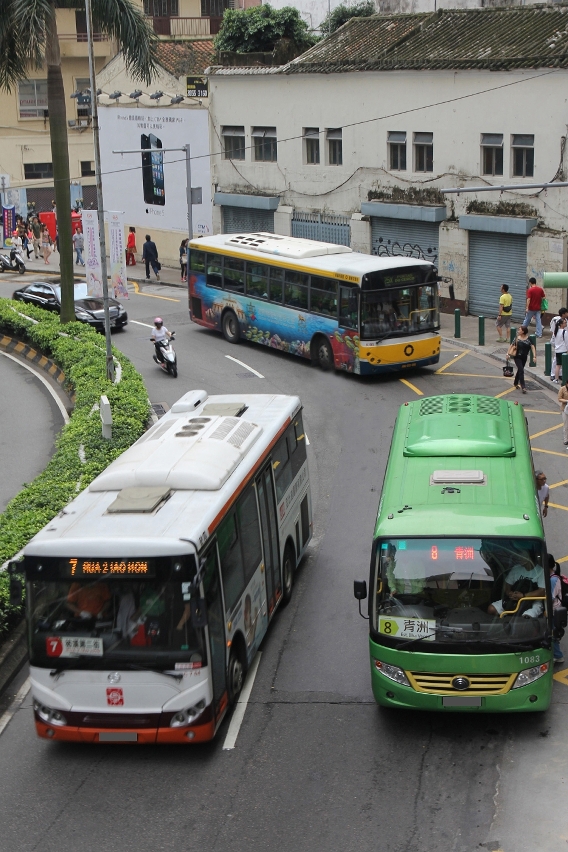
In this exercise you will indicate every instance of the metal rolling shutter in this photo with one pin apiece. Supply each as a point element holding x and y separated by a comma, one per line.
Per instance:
<point>403,237</point>
<point>496,259</point>
<point>246,220</point>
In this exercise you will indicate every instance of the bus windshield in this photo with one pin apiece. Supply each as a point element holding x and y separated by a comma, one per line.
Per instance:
<point>448,591</point>
<point>395,313</point>
<point>105,622</point>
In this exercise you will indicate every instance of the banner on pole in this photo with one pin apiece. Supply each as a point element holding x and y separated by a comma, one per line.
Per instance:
<point>117,254</point>
<point>8,223</point>
<point>92,252</point>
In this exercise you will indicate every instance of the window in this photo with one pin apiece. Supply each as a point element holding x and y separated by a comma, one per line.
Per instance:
<point>233,143</point>
<point>397,151</point>
<point>312,146</point>
<point>247,514</point>
<point>323,296</point>
<point>281,467</point>
<point>234,278</point>
<point>423,152</point>
<point>265,144</point>
<point>32,98</point>
<point>296,289</point>
<point>83,84</point>
<point>297,445</point>
<point>214,270</point>
<point>161,8</point>
<point>492,153</point>
<point>257,280</point>
<point>348,307</point>
<point>197,260</point>
<point>276,282</point>
<point>334,146</point>
<point>87,169</point>
<point>231,560</point>
<point>36,171</point>
<point>523,155</point>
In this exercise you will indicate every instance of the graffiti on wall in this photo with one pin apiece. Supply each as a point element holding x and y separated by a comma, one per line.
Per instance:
<point>396,249</point>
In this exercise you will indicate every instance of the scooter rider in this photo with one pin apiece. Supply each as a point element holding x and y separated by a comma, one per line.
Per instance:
<point>159,333</point>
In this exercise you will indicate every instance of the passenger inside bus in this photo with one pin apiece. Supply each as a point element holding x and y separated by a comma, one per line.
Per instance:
<point>89,601</point>
<point>523,582</point>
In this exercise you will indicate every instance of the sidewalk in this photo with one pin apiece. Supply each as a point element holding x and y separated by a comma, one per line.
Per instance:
<point>469,339</point>
<point>168,275</point>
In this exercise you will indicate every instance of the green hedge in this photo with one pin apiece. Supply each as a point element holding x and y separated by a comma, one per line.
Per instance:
<point>80,352</point>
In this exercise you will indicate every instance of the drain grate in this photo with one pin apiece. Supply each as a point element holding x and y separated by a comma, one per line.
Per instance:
<point>159,409</point>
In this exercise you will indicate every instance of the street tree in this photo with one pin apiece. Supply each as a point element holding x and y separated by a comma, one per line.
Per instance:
<point>343,13</point>
<point>28,42</point>
<point>258,29</point>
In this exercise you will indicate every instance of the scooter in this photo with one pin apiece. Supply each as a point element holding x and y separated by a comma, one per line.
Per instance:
<point>169,358</point>
<point>13,263</point>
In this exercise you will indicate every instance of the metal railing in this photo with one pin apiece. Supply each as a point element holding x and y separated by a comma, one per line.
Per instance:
<point>175,26</point>
<point>82,37</point>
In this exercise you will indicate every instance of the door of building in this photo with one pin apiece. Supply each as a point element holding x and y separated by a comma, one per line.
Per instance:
<point>496,259</point>
<point>405,238</point>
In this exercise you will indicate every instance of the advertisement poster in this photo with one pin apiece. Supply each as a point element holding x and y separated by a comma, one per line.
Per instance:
<point>150,184</point>
<point>8,223</point>
<point>117,254</point>
<point>92,253</point>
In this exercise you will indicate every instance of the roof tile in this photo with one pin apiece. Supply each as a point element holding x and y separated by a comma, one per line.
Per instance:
<point>185,57</point>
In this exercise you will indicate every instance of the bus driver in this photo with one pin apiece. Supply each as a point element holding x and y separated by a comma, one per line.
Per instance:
<point>524,580</point>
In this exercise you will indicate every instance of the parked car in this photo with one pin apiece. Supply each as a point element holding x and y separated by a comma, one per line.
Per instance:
<point>88,309</point>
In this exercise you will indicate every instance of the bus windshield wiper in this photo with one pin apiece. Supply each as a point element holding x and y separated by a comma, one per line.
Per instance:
<point>136,668</point>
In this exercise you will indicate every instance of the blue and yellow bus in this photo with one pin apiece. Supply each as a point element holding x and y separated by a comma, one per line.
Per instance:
<point>339,308</point>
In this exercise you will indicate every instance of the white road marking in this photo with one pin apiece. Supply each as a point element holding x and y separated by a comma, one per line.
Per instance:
<point>145,324</point>
<point>44,381</point>
<point>240,709</point>
<point>307,439</point>
<point>15,705</point>
<point>246,366</point>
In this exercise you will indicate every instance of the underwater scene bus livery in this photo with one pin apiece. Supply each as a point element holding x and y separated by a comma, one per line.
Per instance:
<point>460,609</point>
<point>338,308</point>
<point>148,596</point>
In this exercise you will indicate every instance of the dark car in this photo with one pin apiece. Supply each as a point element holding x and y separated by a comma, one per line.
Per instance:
<point>88,309</point>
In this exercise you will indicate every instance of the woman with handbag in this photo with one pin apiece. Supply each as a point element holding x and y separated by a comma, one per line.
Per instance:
<point>519,352</point>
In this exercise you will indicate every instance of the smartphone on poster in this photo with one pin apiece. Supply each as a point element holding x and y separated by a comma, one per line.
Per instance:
<point>152,170</point>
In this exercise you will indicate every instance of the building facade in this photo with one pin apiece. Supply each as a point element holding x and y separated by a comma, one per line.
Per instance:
<point>354,141</point>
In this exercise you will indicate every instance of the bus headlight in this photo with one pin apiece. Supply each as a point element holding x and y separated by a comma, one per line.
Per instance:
<point>530,675</point>
<point>186,717</point>
<point>49,716</point>
<point>392,672</point>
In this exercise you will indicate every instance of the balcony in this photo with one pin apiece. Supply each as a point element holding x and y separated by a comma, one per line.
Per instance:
<point>75,45</point>
<point>174,27</point>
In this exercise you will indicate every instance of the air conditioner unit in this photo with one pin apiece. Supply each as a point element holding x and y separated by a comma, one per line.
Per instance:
<point>83,122</point>
<point>71,122</point>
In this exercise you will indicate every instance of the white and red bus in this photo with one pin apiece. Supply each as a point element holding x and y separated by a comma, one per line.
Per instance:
<point>148,595</point>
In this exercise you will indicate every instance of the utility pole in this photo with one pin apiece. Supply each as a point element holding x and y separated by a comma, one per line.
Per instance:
<point>100,210</point>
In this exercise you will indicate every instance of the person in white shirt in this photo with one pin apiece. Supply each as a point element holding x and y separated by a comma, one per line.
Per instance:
<point>517,582</point>
<point>543,492</point>
<point>560,341</point>
<point>159,333</point>
<point>553,322</point>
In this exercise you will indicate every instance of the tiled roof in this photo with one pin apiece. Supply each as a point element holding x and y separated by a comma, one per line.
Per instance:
<point>185,57</point>
<point>488,38</point>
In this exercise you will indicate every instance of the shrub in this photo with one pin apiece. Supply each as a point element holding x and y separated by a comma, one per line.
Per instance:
<point>259,28</point>
<point>80,352</point>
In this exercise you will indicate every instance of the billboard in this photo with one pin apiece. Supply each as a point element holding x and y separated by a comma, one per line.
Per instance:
<point>149,186</point>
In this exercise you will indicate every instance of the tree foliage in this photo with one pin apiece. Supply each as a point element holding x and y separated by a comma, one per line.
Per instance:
<point>258,29</point>
<point>343,13</point>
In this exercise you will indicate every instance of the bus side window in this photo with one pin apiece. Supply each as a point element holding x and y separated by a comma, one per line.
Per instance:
<point>231,560</point>
<point>296,289</point>
<point>323,296</point>
<point>197,260</point>
<point>282,467</point>
<point>348,307</point>
<point>276,281</point>
<point>249,528</point>
<point>297,441</point>
<point>257,280</point>
<point>215,271</point>
<point>234,277</point>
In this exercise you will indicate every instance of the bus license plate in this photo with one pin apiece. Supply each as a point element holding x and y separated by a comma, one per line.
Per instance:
<point>118,737</point>
<point>461,701</point>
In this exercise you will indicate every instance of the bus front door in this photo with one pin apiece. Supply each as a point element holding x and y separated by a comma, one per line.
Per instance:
<point>216,629</point>
<point>265,490</point>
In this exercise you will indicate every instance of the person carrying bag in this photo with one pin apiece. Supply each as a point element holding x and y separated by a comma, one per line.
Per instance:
<point>519,351</point>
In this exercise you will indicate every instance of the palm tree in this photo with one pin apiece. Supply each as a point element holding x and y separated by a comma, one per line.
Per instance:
<point>28,41</point>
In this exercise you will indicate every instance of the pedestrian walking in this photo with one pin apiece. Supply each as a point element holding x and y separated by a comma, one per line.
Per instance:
<point>78,245</point>
<point>560,342</point>
<point>131,247</point>
<point>503,321</point>
<point>150,257</point>
<point>563,399</point>
<point>36,231</point>
<point>519,352</point>
<point>29,242</point>
<point>556,590</point>
<point>183,259</point>
<point>543,492</point>
<point>45,243</point>
<point>535,295</point>
<point>562,312</point>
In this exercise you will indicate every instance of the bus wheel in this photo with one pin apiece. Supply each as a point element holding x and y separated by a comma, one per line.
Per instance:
<point>231,327</point>
<point>324,353</point>
<point>235,675</point>
<point>288,575</point>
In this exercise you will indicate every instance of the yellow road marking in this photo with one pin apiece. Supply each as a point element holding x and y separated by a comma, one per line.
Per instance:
<point>561,677</point>
<point>541,411</point>
<point>558,506</point>
<point>152,295</point>
<point>557,484</point>
<point>545,431</point>
<point>135,285</point>
<point>476,375</point>
<point>505,392</point>
<point>549,452</point>
<point>453,361</point>
<point>564,559</point>
<point>411,386</point>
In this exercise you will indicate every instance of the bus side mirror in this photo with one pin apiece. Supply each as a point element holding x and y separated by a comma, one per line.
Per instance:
<point>360,589</point>
<point>560,618</point>
<point>16,591</point>
<point>198,613</point>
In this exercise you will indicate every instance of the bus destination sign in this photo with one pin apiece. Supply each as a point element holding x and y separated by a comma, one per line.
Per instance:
<point>116,567</point>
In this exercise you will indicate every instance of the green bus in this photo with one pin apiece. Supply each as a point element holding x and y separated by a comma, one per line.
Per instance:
<point>460,611</point>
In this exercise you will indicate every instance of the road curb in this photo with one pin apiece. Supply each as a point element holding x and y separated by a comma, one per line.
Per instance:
<point>13,656</point>
<point>16,347</point>
<point>480,350</point>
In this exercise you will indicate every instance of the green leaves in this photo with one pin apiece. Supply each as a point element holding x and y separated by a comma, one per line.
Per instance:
<point>343,13</point>
<point>259,28</point>
<point>80,352</point>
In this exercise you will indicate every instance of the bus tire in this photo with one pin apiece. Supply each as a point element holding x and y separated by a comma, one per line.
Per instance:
<point>231,327</point>
<point>288,568</point>
<point>323,352</point>
<point>235,672</point>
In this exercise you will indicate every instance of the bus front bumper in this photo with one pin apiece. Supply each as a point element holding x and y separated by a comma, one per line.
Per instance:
<point>396,355</point>
<point>125,736</point>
